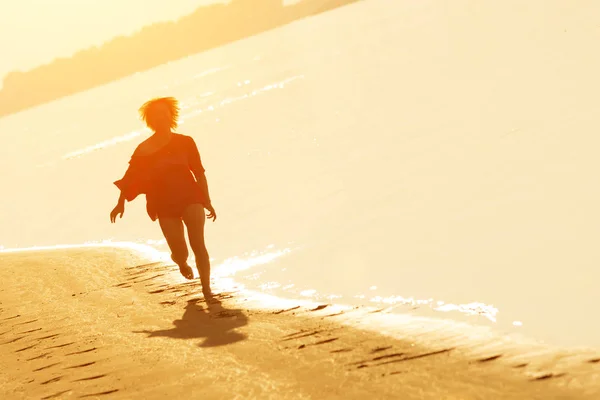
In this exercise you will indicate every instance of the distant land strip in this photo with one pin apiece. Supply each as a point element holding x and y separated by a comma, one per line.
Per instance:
<point>206,28</point>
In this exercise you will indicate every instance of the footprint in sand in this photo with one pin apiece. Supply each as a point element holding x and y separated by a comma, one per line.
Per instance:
<point>99,393</point>
<point>548,376</point>
<point>289,309</point>
<point>395,358</point>
<point>91,378</point>
<point>302,346</point>
<point>300,335</point>
<point>27,322</point>
<point>81,365</point>
<point>82,351</point>
<point>14,340</point>
<point>144,265</point>
<point>148,279</point>
<point>48,337</point>
<point>32,330</point>
<point>346,350</point>
<point>46,367</point>
<point>333,315</point>
<point>38,357</point>
<point>56,395</point>
<point>26,348</point>
<point>488,359</point>
<point>432,353</point>
<point>58,378</point>
<point>387,356</point>
<point>379,349</point>
<point>60,345</point>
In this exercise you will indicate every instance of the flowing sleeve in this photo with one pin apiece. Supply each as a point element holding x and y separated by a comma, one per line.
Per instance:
<point>193,154</point>
<point>135,180</point>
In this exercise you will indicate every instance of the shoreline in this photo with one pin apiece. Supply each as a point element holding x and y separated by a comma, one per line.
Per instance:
<point>119,299</point>
<point>392,312</point>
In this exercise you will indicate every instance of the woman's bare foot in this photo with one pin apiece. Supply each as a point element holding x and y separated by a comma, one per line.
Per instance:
<point>208,294</point>
<point>186,271</point>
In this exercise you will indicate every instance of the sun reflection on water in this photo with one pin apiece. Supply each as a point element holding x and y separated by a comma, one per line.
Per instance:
<point>475,308</point>
<point>194,110</point>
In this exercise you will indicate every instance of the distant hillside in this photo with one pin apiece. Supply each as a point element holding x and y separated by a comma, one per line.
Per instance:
<point>156,44</point>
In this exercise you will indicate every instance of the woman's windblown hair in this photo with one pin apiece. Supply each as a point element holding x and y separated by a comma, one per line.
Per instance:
<point>153,112</point>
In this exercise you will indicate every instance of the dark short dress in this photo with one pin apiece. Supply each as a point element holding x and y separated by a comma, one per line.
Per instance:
<point>166,178</point>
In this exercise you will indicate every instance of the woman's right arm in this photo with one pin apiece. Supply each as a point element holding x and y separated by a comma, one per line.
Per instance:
<point>121,198</point>
<point>129,184</point>
<point>119,209</point>
<point>122,185</point>
<point>197,169</point>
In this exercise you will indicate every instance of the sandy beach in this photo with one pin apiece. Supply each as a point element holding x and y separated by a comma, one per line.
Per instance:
<point>107,323</point>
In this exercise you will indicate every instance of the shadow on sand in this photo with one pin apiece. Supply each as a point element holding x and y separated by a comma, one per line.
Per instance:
<point>213,322</point>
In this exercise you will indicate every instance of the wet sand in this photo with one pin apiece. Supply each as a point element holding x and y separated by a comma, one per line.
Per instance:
<point>109,323</point>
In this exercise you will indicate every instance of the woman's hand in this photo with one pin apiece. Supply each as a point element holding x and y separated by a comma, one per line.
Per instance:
<point>118,210</point>
<point>211,212</point>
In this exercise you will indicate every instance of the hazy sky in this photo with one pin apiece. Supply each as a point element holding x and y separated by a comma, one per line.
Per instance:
<point>34,32</point>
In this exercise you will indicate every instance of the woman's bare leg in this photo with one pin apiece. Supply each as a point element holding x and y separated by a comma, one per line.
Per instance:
<point>194,219</point>
<point>172,229</point>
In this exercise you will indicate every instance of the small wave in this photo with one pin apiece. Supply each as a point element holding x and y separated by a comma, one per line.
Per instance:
<point>107,143</point>
<point>187,115</point>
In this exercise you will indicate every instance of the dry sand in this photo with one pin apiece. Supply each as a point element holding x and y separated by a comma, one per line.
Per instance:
<point>106,323</point>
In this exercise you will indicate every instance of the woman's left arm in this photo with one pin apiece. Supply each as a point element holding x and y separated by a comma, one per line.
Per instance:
<point>198,170</point>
